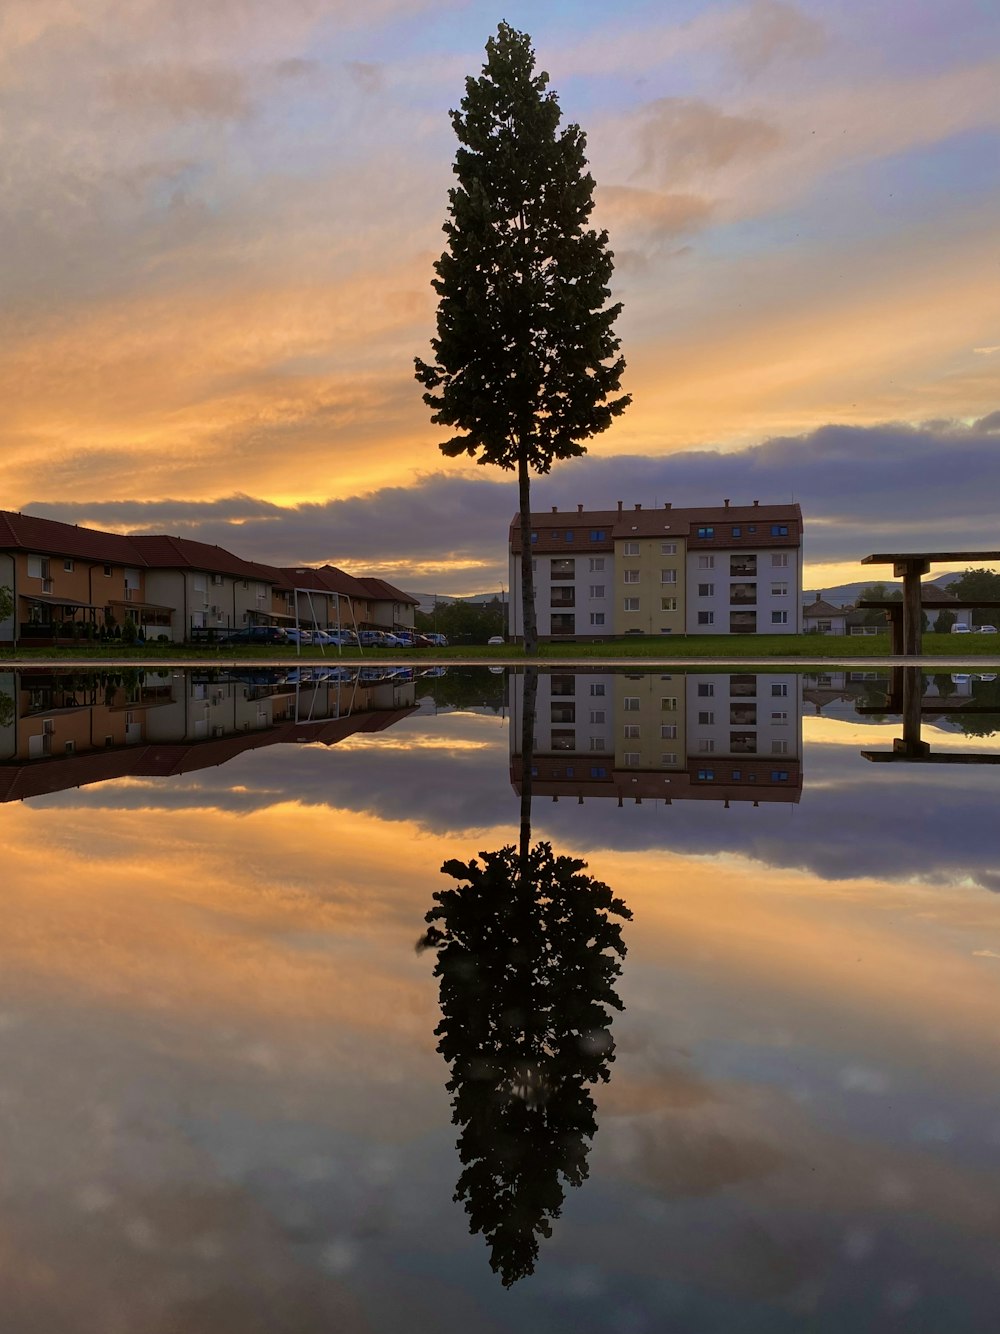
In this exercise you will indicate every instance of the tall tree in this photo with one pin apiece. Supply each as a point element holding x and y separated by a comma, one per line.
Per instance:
<point>526,361</point>
<point>980,583</point>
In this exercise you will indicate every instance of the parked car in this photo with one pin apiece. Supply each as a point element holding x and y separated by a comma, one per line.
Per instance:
<point>299,636</point>
<point>377,639</point>
<point>257,634</point>
<point>986,629</point>
<point>495,639</point>
<point>438,641</point>
<point>336,638</point>
<point>960,628</point>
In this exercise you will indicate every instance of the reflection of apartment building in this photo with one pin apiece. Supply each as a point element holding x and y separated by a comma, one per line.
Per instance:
<point>663,736</point>
<point>721,570</point>
<point>59,731</point>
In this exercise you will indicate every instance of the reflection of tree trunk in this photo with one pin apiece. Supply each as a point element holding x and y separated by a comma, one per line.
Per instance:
<point>528,623</point>
<point>527,761</point>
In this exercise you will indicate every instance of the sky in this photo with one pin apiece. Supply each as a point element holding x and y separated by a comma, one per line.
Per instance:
<point>219,224</point>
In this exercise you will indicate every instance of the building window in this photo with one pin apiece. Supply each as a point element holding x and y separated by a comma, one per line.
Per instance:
<point>668,731</point>
<point>668,757</point>
<point>737,530</point>
<point>779,529</point>
<point>107,571</point>
<point>598,773</point>
<point>706,590</point>
<point>596,564</point>
<point>631,703</point>
<point>597,590</point>
<point>631,576</point>
<point>705,689</point>
<point>779,617</point>
<point>706,562</point>
<point>597,535</point>
<point>668,576</point>
<point>630,549</point>
<point>632,758</point>
<point>779,747</point>
<point>596,743</point>
<point>779,690</point>
<point>569,534</point>
<point>779,716</point>
<point>563,623</point>
<point>68,565</point>
<point>597,688</point>
<point>779,775</point>
<point>668,703</point>
<point>534,537</point>
<point>779,560</point>
<point>779,590</point>
<point>563,568</point>
<point>597,715</point>
<point>706,718</point>
<point>706,532</point>
<point>597,618</point>
<point>668,548</point>
<point>706,746</point>
<point>668,604</point>
<point>38,567</point>
<point>706,775</point>
<point>632,730</point>
<point>706,618</point>
<point>631,604</point>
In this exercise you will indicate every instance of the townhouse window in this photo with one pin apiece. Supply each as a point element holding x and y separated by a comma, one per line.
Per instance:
<point>597,590</point>
<point>596,743</point>
<point>668,604</point>
<point>706,746</point>
<point>598,535</point>
<point>668,548</point>
<point>705,689</point>
<point>706,590</point>
<point>631,576</point>
<point>631,604</point>
<point>668,757</point>
<point>779,716</point>
<point>706,532</point>
<point>668,732</point>
<point>69,566</point>
<point>779,529</point>
<point>38,567</point>
<point>737,530</point>
<point>632,731</point>
<point>779,617</point>
<point>597,715</point>
<point>706,618</point>
<point>706,562</point>
<point>779,560</point>
<point>597,618</point>
<point>631,758</point>
<point>668,703</point>
<point>706,717</point>
<point>107,571</point>
<point>668,576</point>
<point>597,688</point>
<point>779,689</point>
<point>630,549</point>
<point>596,564</point>
<point>779,590</point>
<point>631,703</point>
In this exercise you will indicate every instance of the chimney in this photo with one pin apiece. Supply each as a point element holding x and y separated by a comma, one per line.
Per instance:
<point>756,503</point>
<point>579,509</point>
<point>619,507</point>
<point>726,503</point>
<point>638,507</point>
<point>668,504</point>
<point>555,509</point>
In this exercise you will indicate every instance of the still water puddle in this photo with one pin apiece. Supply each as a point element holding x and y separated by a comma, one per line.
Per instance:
<point>697,1030</point>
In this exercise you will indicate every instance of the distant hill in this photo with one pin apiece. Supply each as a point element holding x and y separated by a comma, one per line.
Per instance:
<point>847,594</point>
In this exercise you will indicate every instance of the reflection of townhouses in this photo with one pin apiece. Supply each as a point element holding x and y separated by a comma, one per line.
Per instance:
<point>58,732</point>
<point>668,737</point>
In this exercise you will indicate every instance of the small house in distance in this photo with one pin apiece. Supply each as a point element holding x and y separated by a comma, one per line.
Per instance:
<point>821,617</point>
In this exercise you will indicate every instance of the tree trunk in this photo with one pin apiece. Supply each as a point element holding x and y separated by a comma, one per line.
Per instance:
<point>528,625</point>
<point>528,707</point>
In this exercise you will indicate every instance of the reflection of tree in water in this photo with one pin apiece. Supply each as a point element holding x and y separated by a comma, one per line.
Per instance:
<point>528,951</point>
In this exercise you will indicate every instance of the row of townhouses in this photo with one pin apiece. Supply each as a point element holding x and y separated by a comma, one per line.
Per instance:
<point>70,582</point>
<point>716,571</point>
<point>719,735</point>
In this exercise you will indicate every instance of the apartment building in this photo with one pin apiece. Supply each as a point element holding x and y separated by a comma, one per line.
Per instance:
<point>717,570</point>
<point>663,736</point>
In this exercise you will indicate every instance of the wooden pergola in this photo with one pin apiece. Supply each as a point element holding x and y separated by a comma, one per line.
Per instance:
<point>910,566</point>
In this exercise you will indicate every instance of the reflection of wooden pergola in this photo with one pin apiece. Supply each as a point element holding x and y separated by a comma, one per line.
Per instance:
<point>907,616</point>
<point>906,689</point>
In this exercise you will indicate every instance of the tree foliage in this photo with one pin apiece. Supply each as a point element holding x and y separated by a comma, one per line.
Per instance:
<point>979,583</point>
<point>526,363</point>
<point>465,622</point>
<point>6,602</point>
<point>527,956</point>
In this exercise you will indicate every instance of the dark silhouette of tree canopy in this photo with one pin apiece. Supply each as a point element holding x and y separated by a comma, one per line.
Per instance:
<point>528,952</point>
<point>525,358</point>
<point>978,583</point>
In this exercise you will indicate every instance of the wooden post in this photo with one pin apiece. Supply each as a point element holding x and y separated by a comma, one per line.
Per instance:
<point>911,569</point>
<point>913,691</point>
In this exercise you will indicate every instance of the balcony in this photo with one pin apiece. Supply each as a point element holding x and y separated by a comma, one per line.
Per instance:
<point>743,595</point>
<point>742,565</point>
<point>563,597</point>
<point>562,569</point>
<point>743,715</point>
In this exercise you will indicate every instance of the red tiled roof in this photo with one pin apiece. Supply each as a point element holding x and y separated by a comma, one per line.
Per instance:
<point>385,592</point>
<point>173,553</point>
<point>663,522</point>
<point>27,532</point>
<point>324,578</point>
